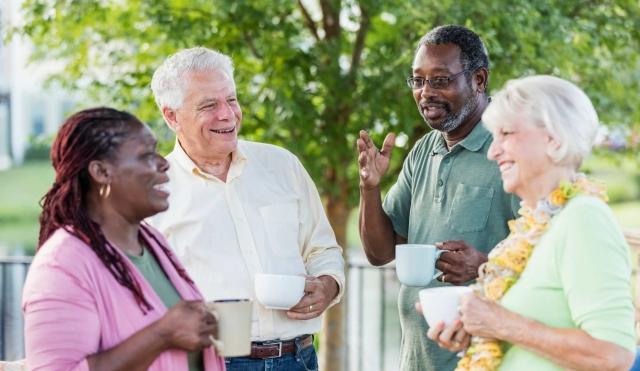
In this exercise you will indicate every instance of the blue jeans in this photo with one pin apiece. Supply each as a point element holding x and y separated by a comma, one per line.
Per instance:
<point>300,360</point>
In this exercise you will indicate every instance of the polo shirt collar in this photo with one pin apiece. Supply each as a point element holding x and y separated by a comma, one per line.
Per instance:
<point>473,142</point>
<point>238,158</point>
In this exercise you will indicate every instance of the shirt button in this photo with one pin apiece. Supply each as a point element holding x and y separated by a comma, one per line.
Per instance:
<point>440,182</point>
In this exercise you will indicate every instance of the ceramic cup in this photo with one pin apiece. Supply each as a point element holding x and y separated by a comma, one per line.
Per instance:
<point>441,303</point>
<point>279,291</point>
<point>416,264</point>
<point>234,326</point>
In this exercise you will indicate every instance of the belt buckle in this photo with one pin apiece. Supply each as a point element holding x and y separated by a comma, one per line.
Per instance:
<point>279,344</point>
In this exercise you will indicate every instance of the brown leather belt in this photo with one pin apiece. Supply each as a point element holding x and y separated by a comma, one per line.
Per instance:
<point>275,349</point>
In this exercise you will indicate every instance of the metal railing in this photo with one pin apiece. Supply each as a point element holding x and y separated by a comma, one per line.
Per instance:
<point>373,329</point>
<point>13,271</point>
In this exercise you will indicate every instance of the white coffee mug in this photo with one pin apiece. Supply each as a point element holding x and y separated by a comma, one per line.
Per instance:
<point>441,303</point>
<point>415,264</point>
<point>234,326</point>
<point>279,291</point>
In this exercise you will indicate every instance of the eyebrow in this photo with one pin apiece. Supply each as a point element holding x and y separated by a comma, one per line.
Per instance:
<point>206,101</point>
<point>435,70</point>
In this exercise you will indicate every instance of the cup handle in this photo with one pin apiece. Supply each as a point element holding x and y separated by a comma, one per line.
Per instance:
<point>218,344</point>
<point>437,272</point>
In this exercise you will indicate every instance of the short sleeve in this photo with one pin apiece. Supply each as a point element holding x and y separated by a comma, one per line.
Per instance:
<point>62,326</point>
<point>595,270</point>
<point>397,202</point>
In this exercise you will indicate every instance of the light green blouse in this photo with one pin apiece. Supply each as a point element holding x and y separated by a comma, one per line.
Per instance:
<point>578,276</point>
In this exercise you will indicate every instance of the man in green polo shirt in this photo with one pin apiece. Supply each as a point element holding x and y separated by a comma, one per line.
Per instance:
<point>448,193</point>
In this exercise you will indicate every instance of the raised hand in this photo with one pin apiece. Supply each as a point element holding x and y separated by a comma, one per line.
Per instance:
<point>373,162</point>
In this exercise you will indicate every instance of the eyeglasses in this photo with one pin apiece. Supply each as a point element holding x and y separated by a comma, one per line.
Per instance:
<point>438,82</point>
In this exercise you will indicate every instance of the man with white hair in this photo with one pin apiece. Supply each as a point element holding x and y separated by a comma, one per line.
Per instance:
<point>239,208</point>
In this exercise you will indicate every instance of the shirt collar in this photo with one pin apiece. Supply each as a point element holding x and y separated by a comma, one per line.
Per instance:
<point>238,158</point>
<point>476,139</point>
<point>472,142</point>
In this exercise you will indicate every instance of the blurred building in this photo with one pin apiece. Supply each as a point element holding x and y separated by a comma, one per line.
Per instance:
<point>28,110</point>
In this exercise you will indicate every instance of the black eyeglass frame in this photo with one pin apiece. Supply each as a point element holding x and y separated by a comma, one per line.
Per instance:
<point>438,82</point>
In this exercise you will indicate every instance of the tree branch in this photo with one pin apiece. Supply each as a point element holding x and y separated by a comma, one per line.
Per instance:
<point>361,36</point>
<point>311,25</point>
<point>251,44</point>
<point>330,19</point>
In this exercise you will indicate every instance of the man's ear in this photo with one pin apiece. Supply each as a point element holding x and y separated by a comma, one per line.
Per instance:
<point>481,79</point>
<point>100,171</point>
<point>171,118</point>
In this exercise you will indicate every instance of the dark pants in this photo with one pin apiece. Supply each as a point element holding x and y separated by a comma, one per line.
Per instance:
<point>300,360</point>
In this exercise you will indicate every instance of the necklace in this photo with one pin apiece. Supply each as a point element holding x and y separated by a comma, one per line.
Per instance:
<point>510,257</point>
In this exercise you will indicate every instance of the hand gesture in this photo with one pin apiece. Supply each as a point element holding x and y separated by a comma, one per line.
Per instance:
<point>319,292</point>
<point>460,263</point>
<point>373,162</point>
<point>188,325</point>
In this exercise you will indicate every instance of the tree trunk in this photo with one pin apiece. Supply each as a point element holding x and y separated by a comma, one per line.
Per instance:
<point>333,344</point>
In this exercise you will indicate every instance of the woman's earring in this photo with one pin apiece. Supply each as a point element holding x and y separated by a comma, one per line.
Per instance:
<point>105,190</point>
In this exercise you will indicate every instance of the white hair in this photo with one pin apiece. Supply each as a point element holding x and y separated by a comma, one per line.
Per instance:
<point>167,83</point>
<point>556,105</point>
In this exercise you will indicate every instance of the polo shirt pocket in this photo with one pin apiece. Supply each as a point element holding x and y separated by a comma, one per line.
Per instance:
<point>470,208</point>
<point>282,225</point>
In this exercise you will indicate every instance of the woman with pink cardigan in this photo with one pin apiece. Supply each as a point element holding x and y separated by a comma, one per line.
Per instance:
<point>104,292</point>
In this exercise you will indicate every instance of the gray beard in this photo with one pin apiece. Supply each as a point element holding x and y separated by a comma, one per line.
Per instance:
<point>454,120</point>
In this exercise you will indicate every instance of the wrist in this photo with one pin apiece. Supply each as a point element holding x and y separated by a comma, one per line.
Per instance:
<point>331,286</point>
<point>366,189</point>
<point>161,335</point>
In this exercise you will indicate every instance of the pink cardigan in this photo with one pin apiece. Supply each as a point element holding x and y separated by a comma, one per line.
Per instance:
<point>74,307</point>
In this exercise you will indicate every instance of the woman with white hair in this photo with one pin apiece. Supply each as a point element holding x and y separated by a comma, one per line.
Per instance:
<point>556,292</point>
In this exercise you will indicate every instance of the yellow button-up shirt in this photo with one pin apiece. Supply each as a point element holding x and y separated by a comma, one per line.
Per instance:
<point>266,218</point>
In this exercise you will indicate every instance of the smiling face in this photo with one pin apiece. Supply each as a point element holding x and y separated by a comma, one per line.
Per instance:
<point>208,122</point>
<point>521,151</point>
<point>138,177</point>
<point>443,109</point>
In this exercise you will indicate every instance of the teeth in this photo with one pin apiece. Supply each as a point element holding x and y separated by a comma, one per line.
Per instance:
<point>161,187</point>
<point>224,131</point>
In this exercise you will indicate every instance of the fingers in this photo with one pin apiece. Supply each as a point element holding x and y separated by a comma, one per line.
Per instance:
<point>434,332</point>
<point>418,307</point>
<point>452,245</point>
<point>364,136</point>
<point>387,144</point>
<point>306,312</point>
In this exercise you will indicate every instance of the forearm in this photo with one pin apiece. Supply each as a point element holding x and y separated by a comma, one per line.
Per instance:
<point>376,230</point>
<point>135,353</point>
<point>569,348</point>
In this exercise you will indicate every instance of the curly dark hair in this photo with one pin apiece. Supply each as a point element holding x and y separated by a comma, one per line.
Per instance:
<point>85,136</point>
<point>473,54</point>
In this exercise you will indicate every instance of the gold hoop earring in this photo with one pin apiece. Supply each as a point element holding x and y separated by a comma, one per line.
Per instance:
<point>104,190</point>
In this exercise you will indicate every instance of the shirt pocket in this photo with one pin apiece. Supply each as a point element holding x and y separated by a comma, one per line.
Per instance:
<point>282,227</point>
<point>470,208</point>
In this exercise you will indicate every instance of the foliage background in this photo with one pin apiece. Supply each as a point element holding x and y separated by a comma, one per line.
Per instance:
<point>311,73</point>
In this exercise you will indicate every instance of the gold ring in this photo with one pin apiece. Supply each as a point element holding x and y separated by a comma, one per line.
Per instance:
<point>310,307</point>
<point>443,277</point>
<point>455,343</point>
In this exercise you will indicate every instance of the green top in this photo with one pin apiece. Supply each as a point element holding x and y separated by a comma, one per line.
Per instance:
<point>154,274</point>
<point>445,195</point>
<point>578,276</point>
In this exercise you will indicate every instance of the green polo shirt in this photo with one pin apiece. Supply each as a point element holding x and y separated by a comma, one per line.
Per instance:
<point>445,195</point>
<point>154,274</point>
